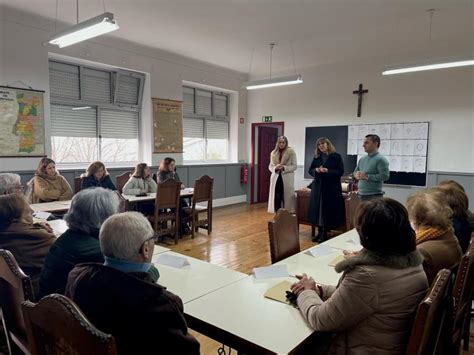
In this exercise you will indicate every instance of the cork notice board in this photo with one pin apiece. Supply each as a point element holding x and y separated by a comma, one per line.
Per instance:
<point>167,126</point>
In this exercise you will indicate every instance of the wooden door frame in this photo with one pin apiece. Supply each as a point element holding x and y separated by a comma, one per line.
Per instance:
<point>252,157</point>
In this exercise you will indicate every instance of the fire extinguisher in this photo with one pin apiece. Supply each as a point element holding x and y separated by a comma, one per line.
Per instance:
<point>244,174</point>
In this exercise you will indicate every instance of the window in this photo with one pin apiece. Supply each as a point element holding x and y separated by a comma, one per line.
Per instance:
<point>95,114</point>
<point>206,125</point>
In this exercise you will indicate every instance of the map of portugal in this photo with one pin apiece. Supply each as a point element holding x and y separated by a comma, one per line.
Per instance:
<point>26,124</point>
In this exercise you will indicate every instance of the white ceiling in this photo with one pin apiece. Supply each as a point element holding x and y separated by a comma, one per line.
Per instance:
<point>226,32</point>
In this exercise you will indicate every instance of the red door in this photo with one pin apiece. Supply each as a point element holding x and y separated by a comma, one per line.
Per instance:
<point>267,137</point>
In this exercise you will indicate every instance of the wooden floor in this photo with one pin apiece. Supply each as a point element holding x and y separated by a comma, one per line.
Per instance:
<point>239,241</point>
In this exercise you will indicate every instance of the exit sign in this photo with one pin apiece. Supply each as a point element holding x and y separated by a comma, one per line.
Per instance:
<point>267,118</point>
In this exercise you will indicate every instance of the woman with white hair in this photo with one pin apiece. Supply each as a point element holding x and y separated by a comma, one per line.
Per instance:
<point>80,243</point>
<point>10,184</point>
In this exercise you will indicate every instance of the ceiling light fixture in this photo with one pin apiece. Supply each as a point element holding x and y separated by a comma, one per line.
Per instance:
<point>272,82</point>
<point>80,108</point>
<point>462,63</point>
<point>85,30</point>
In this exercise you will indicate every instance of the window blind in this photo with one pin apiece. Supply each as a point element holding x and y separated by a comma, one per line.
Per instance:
<point>217,129</point>
<point>193,128</point>
<point>66,122</point>
<point>203,102</point>
<point>188,100</point>
<point>118,124</point>
<point>128,89</point>
<point>64,80</point>
<point>220,105</point>
<point>96,85</point>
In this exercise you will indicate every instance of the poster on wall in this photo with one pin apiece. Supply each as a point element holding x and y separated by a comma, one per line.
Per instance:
<point>22,132</point>
<point>167,126</point>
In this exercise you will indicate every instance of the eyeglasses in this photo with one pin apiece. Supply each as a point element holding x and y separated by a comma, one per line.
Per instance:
<point>155,238</point>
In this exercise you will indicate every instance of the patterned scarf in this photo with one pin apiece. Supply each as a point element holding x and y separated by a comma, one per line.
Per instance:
<point>430,233</point>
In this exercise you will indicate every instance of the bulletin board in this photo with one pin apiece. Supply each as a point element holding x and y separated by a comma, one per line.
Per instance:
<point>167,126</point>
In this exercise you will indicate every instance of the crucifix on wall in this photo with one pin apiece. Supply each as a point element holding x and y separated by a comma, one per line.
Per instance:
<point>359,92</point>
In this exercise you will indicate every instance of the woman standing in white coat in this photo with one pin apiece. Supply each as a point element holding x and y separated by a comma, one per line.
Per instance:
<point>282,166</point>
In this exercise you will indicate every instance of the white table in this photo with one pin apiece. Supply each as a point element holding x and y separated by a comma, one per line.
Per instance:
<point>187,192</point>
<point>344,241</point>
<point>195,280</point>
<point>56,206</point>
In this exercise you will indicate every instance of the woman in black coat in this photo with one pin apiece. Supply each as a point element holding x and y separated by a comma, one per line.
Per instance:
<point>326,207</point>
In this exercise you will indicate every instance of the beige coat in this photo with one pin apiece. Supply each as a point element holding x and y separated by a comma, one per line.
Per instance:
<point>45,188</point>
<point>289,162</point>
<point>443,252</point>
<point>372,309</point>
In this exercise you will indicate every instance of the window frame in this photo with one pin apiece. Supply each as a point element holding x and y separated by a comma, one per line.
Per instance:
<point>205,118</point>
<point>100,105</point>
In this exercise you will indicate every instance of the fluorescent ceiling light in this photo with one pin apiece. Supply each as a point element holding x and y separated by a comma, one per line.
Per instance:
<point>81,108</point>
<point>429,67</point>
<point>272,82</point>
<point>85,30</point>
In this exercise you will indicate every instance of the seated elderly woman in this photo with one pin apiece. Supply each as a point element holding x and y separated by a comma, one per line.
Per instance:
<point>430,216</point>
<point>10,184</point>
<point>459,203</point>
<point>121,297</point>
<point>80,243</point>
<point>372,308</point>
<point>29,243</point>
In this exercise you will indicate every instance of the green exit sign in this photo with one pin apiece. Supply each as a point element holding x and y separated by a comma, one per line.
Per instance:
<point>267,118</point>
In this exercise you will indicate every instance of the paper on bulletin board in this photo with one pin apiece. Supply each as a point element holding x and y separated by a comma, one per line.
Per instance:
<point>420,147</point>
<point>384,131</point>
<point>363,129</point>
<point>419,164</point>
<point>384,148</point>
<point>353,132</point>
<point>395,162</point>
<point>408,147</point>
<point>396,131</point>
<point>407,164</point>
<point>352,147</point>
<point>167,126</point>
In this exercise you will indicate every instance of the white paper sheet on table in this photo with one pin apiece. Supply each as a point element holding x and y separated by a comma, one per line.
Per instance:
<point>354,239</point>
<point>320,250</point>
<point>268,272</point>
<point>42,215</point>
<point>172,260</point>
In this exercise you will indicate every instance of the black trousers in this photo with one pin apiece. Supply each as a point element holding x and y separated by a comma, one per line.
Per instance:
<point>279,194</point>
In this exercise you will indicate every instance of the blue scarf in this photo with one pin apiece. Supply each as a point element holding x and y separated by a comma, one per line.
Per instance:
<point>126,266</point>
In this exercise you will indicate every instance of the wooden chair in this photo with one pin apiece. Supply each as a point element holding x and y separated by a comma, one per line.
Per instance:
<point>15,287</point>
<point>352,203</point>
<point>167,209</point>
<point>283,233</point>
<point>56,325</point>
<point>431,316</point>
<point>462,300</point>
<point>77,184</point>
<point>121,180</point>
<point>203,188</point>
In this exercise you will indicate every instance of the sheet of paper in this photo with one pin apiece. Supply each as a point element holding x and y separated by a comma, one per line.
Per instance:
<point>336,260</point>
<point>420,147</point>
<point>373,129</point>
<point>384,148</point>
<point>278,292</point>
<point>419,130</point>
<point>363,129</point>
<point>172,260</point>
<point>395,162</point>
<point>353,132</point>
<point>396,147</point>
<point>268,272</point>
<point>408,147</point>
<point>419,164</point>
<point>320,250</point>
<point>384,131</point>
<point>396,131</point>
<point>352,147</point>
<point>407,164</point>
<point>42,215</point>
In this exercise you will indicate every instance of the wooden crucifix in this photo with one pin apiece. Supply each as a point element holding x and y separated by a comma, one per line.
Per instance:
<point>359,92</point>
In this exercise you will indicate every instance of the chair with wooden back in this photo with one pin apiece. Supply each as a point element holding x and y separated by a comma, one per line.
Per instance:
<point>203,188</point>
<point>15,287</point>
<point>123,202</point>
<point>352,203</point>
<point>121,180</point>
<point>431,316</point>
<point>56,325</point>
<point>283,233</point>
<point>462,300</point>
<point>167,209</point>
<point>77,184</point>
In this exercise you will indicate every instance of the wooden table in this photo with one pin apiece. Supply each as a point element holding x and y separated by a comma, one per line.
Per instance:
<point>239,316</point>
<point>195,280</point>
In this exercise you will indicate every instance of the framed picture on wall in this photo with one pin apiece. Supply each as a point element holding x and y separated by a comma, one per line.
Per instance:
<point>22,132</point>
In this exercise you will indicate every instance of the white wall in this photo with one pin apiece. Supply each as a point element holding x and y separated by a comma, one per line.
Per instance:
<point>24,57</point>
<point>442,97</point>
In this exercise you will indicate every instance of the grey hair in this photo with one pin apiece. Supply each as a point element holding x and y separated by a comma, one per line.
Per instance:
<point>122,235</point>
<point>8,181</point>
<point>90,208</point>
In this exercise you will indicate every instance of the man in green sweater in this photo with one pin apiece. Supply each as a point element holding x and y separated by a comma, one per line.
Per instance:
<point>371,170</point>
